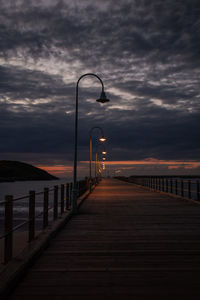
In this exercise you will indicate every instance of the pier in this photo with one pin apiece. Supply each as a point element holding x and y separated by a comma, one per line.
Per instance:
<point>125,242</point>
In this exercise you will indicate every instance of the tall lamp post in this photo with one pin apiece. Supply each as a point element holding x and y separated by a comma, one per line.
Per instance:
<point>102,99</point>
<point>103,157</point>
<point>101,139</point>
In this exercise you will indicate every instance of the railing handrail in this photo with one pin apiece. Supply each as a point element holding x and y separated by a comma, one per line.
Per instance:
<point>174,185</point>
<point>27,196</point>
<point>63,203</point>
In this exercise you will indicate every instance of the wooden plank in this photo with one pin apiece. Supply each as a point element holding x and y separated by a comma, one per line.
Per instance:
<point>125,242</point>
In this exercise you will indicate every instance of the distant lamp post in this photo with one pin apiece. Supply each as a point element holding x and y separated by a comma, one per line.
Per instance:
<point>101,139</point>
<point>102,99</point>
<point>103,159</point>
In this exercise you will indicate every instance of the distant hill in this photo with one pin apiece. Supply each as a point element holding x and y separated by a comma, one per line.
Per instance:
<point>18,171</point>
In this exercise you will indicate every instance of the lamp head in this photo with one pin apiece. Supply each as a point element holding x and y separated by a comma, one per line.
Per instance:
<point>103,98</point>
<point>104,158</point>
<point>102,139</point>
<point>104,152</point>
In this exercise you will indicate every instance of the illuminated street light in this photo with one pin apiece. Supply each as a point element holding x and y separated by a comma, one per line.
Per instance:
<point>102,139</point>
<point>102,99</point>
<point>104,152</point>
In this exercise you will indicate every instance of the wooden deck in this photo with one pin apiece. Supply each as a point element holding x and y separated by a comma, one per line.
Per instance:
<point>126,243</point>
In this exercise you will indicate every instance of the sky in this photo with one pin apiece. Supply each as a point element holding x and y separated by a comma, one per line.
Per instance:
<point>147,54</point>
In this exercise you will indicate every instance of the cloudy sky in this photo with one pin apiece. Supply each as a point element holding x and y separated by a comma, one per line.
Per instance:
<point>146,52</point>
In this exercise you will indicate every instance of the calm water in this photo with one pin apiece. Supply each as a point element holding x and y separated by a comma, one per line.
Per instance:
<point>22,188</point>
<point>20,207</point>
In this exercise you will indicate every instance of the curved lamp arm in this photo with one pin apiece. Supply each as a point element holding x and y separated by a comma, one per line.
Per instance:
<point>90,74</point>
<point>96,127</point>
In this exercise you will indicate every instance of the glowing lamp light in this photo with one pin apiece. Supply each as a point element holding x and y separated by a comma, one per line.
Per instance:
<point>102,139</point>
<point>104,158</point>
<point>104,152</point>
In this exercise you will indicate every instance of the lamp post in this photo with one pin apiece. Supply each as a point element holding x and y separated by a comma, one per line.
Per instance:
<point>103,157</point>
<point>102,99</point>
<point>101,139</point>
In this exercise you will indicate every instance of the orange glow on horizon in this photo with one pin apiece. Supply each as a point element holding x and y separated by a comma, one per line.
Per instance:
<point>172,164</point>
<point>57,169</point>
<point>126,165</point>
<point>173,167</point>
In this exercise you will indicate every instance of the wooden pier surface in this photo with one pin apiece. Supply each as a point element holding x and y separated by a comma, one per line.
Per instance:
<point>126,242</point>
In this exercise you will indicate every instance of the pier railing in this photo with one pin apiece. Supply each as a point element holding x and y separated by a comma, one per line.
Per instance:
<point>35,212</point>
<point>184,187</point>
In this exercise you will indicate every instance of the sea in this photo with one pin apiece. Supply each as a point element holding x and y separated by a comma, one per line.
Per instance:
<point>22,188</point>
<point>20,207</point>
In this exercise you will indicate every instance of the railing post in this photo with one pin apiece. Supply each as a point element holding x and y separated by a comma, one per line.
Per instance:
<point>8,241</point>
<point>171,186</point>
<point>182,188</point>
<point>71,186</point>
<point>198,195</point>
<point>62,195</point>
<point>86,185</point>
<point>189,189</point>
<point>176,187</point>
<point>163,185</point>
<point>166,185</point>
<point>31,223</point>
<point>45,207</point>
<point>159,184</point>
<point>67,196</point>
<point>55,203</point>
<point>78,189</point>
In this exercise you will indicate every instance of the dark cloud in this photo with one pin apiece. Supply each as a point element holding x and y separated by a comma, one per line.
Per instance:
<point>146,52</point>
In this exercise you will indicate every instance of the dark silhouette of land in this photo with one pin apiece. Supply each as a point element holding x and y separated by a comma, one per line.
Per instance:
<point>19,171</point>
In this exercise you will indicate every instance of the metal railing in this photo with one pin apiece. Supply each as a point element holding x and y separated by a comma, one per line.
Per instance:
<point>184,187</point>
<point>53,203</point>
